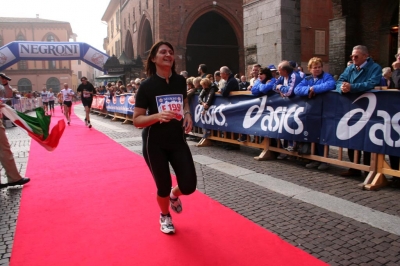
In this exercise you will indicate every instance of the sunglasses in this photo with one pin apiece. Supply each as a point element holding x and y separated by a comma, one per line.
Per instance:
<point>354,56</point>
<point>397,55</point>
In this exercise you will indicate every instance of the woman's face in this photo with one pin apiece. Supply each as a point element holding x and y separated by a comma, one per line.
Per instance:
<point>164,57</point>
<point>316,69</point>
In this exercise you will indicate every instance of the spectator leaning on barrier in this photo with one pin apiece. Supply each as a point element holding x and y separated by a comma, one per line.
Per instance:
<point>231,83</point>
<point>285,85</point>
<point>363,75</point>
<point>386,80</point>
<point>243,84</point>
<point>396,74</point>
<point>207,94</point>
<point>254,75</point>
<point>211,78</point>
<point>287,81</point>
<point>318,82</point>
<point>265,82</point>
<point>218,80</point>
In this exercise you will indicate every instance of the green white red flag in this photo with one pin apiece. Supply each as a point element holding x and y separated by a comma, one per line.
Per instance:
<point>37,127</point>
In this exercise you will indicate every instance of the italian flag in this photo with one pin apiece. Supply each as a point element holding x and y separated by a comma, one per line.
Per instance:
<point>37,127</point>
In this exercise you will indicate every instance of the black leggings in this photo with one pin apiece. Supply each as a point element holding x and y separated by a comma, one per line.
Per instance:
<point>158,154</point>
<point>51,105</point>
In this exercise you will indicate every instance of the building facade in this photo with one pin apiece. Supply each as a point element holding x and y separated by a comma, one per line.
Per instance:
<point>202,32</point>
<point>276,30</point>
<point>35,75</point>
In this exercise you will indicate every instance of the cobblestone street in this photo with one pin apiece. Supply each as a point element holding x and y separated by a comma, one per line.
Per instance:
<point>320,212</point>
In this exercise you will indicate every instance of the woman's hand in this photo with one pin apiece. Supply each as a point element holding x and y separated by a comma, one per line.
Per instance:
<point>187,123</point>
<point>166,116</point>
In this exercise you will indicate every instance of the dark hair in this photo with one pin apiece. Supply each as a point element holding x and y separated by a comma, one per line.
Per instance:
<point>83,78</point>
<point>150,65</point>
<point>217,73</point>
<point>203,68</point>
<point>267,72</point>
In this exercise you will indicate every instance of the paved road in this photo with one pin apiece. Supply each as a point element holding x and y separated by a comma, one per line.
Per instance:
<point>322,213</point>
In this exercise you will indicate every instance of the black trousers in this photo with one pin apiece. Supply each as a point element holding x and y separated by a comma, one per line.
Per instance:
<point>159,151</point>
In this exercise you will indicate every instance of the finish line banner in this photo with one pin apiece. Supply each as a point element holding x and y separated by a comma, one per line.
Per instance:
<point>368,121</point>
<point>21,50</point>
<point>123,104</point>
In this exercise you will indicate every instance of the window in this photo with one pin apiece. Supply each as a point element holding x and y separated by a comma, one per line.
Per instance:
<point>79,62</point>
<point>22,65</point>
<point>53,83</point>
<point>1,41</point>
<point>319,42</point>
<point>52,64</point>
<point>24,85</point>
<point>79,75</point>
<point>133,14</point>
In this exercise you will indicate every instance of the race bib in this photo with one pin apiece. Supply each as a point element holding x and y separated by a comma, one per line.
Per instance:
<point>86,94</point>
<point>172,102</point>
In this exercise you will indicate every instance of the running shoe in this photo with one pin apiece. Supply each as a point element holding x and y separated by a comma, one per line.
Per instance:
<point>89,125</point>
<point>167,226</point>
<point>313,164</point>
<point>86,123</point>
<point>282,156</point>
<point>323,166</point>
<point>176,205</point>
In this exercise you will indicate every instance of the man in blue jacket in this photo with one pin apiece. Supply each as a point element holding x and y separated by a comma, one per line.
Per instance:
<point>363,75</point>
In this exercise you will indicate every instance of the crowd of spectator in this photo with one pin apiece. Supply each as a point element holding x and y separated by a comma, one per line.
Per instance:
<point>289,79</point>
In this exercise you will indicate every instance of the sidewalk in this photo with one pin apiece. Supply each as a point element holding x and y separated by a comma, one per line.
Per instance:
<point>324,214</point>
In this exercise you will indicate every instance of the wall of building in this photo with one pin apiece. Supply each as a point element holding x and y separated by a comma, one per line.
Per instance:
<point>37,72</point>
<point>172,21</point>
<point>271,31</point>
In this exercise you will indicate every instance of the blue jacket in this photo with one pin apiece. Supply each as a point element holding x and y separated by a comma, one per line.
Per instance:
<point>230,85</point>
<point>260,88</point>
<point>364,80</point>
<point>293,81</point>
<point>325,82</point>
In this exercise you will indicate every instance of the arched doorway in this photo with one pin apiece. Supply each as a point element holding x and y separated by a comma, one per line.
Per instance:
<point>24,85</point>
<point>145,39</point>
<point>53,83</point>
<point>211,41</point>
<point>129,45</point>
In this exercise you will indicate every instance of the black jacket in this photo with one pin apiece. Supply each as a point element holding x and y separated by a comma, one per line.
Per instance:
<point>230,85</point>
<point>207,95</point>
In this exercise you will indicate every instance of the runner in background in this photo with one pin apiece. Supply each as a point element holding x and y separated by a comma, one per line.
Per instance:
<point>67,95</point>
<point>51,99</point>
<point>60,101</point>
<point>86,91</point>
<point>45,100</point>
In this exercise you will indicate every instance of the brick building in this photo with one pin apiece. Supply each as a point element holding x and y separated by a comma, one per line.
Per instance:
<point>275,30</point>
<point>209,32</point>
<point>34,75</point>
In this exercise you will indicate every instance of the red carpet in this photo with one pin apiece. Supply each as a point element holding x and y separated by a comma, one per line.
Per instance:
<point>92,202</point>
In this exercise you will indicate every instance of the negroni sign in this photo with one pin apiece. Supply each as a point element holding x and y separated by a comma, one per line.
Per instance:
<point>48,50</point>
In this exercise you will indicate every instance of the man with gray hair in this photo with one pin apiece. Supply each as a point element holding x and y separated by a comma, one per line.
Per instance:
<point>363,75</point>
<point>231,82</point>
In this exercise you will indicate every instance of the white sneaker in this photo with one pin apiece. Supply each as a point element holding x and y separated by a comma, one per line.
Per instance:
<point>313,164</point>
<point>323,166</point>
<point>175,204</point>
<point>282,156</point>
<point>166,224</point>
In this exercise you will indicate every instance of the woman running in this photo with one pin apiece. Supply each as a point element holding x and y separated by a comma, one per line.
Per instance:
<point>163,109</point>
